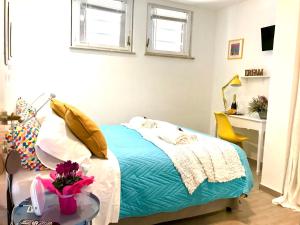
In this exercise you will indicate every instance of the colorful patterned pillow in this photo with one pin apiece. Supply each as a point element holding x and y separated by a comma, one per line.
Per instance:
<point>22,137</point>
<point>25,139</point>
<point>27,113</point>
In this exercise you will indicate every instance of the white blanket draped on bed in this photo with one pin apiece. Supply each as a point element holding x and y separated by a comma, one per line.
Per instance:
<point>207,158</point>
<point>107,187</point>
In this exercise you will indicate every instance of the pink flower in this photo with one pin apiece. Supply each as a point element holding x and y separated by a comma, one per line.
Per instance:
<point>67,169</point>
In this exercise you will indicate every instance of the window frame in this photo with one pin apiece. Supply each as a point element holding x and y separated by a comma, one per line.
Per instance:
<point>77,44</point>
<point>149,50</point>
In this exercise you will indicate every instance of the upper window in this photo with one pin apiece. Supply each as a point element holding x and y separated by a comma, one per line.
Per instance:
<point>102,24</point>
<point>169,31</point>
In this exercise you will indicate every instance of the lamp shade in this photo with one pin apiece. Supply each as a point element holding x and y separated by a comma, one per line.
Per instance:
<point>235,81</point>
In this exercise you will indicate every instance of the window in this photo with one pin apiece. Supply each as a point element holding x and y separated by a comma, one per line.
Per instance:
<point>168,31</point>
<point>102,24</point>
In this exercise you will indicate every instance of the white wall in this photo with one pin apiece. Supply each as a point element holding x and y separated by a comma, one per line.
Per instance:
<point>286,69</point>
<point>112,87</point>
<point>242,20</point>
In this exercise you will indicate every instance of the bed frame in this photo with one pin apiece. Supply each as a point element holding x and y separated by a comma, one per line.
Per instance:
<point>215,206</point>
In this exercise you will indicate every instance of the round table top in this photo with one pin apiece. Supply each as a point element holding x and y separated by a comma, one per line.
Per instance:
<point>87,208</point>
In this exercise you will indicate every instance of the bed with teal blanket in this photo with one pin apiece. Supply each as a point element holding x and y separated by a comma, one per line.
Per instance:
<point>150,184</point>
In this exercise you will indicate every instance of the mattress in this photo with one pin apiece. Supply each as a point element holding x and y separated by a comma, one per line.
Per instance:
<point>150,183</point>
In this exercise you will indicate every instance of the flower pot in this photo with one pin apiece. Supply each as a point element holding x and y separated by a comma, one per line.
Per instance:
<point>262,114</point>
<point>67,204</point>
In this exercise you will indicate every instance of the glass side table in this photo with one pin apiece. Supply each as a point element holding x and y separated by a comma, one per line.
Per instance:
<point>88,206</point>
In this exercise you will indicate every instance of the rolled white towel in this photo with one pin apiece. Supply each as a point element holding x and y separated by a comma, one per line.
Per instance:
<point>177,137</point>
<point>149,124</point>
<point>136,122</point>
<point>141,122</point>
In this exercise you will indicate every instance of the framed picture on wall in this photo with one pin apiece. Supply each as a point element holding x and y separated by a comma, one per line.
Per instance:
<point>235,49</point>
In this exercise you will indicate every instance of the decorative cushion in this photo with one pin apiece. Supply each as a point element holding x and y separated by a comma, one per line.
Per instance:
<point>26,112</point>
<point>58,107</point>
<point>25,139</point>
<point>83,128</point>
<point>22,136</point>
<point>57,141</point>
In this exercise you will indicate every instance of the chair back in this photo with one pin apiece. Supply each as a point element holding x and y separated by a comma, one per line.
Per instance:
<point>224,128</point>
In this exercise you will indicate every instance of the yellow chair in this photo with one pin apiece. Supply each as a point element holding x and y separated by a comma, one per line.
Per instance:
<point>225,130</point>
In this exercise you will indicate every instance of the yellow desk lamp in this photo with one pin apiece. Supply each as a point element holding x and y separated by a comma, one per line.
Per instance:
<point>235,82</point>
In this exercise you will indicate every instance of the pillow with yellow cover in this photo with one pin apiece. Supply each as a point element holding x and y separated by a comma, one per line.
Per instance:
<point>82,126</point>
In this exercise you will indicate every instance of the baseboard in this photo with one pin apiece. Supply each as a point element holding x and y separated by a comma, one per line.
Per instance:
<point>269,191</point>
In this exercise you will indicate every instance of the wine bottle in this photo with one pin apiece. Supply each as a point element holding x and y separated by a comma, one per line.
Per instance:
<point>234,104</point>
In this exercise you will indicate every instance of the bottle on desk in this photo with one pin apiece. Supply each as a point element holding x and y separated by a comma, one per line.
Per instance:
<point>233,108</point>
<point>234,104</point>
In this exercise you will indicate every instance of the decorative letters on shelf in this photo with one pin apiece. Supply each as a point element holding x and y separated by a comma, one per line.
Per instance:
<point>254,72</point>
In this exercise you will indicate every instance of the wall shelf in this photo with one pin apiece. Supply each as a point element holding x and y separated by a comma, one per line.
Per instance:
<point>254,77</point>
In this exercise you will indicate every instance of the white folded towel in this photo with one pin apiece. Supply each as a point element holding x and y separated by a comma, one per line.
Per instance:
<point>177,137</point>
<point>141,122</point>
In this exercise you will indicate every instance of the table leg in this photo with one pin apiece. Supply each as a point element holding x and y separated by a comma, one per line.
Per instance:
<point>259,151</point>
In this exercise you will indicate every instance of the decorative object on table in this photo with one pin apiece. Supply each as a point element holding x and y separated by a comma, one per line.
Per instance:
<point>67,181</point>
<point>235,49</point>
<point>37,194</point>
<point>233,108</point>
<point>235,82</point>
<point>234,104</point>
<point>254,72</point>
<point>259,105</point>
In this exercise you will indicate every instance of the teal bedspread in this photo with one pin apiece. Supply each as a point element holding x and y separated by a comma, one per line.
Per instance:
<point>150,183</point>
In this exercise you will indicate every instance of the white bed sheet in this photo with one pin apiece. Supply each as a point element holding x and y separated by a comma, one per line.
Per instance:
<point>107,187</point>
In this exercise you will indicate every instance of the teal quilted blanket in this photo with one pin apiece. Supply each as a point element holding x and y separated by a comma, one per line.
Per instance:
<point>150,183</point>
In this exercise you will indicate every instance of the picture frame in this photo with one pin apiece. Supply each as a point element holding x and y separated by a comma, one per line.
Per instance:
<point>235,49</point>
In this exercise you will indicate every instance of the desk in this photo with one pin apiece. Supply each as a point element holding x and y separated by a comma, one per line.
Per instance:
<point>253,124</point>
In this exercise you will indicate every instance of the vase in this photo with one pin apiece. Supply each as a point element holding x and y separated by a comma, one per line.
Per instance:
<point>262,115</point>
<point>67,204</point>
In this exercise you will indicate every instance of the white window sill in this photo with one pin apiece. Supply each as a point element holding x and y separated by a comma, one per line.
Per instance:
<point>168,55</point>
<point>102,49</point>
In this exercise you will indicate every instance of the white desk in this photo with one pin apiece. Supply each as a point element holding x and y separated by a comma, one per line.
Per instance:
<point>253,124</point>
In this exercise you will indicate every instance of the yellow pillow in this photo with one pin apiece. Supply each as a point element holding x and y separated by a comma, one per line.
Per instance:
<point>58,107</point>
<point>83,128</point>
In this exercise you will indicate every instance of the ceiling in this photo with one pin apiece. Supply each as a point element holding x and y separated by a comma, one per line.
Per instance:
<point>212,4</point>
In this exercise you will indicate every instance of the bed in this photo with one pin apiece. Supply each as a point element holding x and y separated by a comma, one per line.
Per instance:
<point>151,187</point>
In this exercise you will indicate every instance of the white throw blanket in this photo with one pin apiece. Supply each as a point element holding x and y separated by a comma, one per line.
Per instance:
<point>208,158</point>
<point>107,187</point>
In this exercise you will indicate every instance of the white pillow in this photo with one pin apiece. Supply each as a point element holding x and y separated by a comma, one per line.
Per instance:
<point>48,160</point>
<point>57,142</point>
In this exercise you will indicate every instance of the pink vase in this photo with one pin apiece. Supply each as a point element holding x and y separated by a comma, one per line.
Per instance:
<point>68,204</point>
